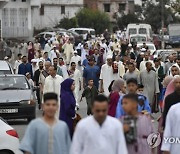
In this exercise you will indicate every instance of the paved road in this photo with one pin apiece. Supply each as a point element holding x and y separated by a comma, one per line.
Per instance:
<point>21,125</point>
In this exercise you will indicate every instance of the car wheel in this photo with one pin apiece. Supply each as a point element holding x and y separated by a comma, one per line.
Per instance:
<point>6,152</point>
<point>30,119</point>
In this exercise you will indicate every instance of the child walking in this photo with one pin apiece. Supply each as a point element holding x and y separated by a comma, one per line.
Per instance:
<point>90,92</point>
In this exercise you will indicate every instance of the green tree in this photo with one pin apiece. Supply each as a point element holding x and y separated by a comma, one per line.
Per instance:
<point>68,23</point>
<point>127,19</point>
<point>93,19</point>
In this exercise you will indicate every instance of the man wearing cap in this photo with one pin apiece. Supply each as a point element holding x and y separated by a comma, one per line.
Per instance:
<point>34,65</point>
<point>25,67</point>
<point>77,59</point>
<point>143,63</point>
<point>92,71</point>
<point>107,75</point>
<point>54,53</point>
<point>48,47</point>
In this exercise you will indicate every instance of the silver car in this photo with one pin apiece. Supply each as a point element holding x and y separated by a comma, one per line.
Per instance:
<point>17,99</point>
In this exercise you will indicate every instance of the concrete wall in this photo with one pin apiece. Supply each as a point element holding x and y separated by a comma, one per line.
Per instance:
<point>52,15</point>
<point>16,19</point>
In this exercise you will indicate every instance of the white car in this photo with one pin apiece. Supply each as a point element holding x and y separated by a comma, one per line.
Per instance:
<point>5,68</point>
<point>9,140</point>
<point>150,45</point>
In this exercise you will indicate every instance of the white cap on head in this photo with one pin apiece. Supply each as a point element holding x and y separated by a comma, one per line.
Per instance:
<point>143,49</point>
<point>109,56</point>
<point>75,51</point>
<point>33,61</point>
<point>130,45</point>
<point>5,58</point>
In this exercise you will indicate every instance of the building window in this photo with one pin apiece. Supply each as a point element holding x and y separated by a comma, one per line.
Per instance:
<point>122,7</point>
<point>107,8</point>
<point>62,9</point>
<point>23,0</point>
<point>42,10</point>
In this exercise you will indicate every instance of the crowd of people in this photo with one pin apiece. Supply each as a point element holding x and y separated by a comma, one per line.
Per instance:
<point>134,84</point>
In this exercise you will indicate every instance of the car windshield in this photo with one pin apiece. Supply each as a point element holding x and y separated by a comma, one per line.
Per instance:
<point>132,31</point>
<point>142,31</point>
<point>151,47</point>
<point>92,32</point>
<point>3,72</point>
<point>138,39</point>
<point>13,83</point>
<point>81,31</point>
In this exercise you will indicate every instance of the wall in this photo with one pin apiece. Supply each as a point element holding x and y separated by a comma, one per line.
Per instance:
<point>52,12</point>
<point>16,19</point>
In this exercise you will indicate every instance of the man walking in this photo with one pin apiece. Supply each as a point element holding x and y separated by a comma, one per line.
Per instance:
<point>75,74</point>
<point>25,67</point>
<point>99,134</point>
<point>149,79</point>
<point>92,71</point>
<point>53,84</point>
<point>39,81</point>
<point>47,135</point>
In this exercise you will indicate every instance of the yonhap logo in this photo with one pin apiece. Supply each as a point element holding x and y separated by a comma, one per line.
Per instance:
<point>154,140</point>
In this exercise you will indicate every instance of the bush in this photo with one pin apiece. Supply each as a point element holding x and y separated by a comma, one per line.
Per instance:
<point>67,23</point>
<point>93,19</point>
<point>127,19</point>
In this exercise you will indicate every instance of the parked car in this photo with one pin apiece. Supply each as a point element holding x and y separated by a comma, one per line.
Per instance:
<point>164,53</point>
<point>5,68</point>
<point>84,32</point>
<point>17,99</point>
<point>45,35</point>
<point>137,38</point>
<point>150,45</point>
<point>9,139</point>
<point>76,37</point>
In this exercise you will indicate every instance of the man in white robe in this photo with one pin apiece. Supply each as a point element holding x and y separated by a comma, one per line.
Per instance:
<point>107,76</point>
<point>149,79</point>
<point>53,84</point>
<point>48,47</point>
<point>99,134</point>
<point>143,63</point>
<point>75,74</point>
<point>172,130</point>
<point>77,59</point>
<point>68,50</point>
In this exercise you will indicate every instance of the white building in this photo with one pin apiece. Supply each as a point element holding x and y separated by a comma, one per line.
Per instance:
<point>48,13</point>
<point>20,17</point>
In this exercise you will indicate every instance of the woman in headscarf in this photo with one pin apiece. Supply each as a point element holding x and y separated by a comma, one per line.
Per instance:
<point>174,70</point>
<point>31,52</point>
<point>117,91</point>
<point>68,103</point>
<point>165,84</point>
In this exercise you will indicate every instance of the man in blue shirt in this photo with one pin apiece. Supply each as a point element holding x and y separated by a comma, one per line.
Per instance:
<point>143,104</point>
<point>92,72</point>
<point>25,67</point>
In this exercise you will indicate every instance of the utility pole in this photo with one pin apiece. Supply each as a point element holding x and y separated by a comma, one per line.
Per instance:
<point>162,23</point>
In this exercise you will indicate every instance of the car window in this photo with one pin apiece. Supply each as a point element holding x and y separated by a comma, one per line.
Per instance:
<point>81,31</point>
<point>13,83</point>
<point>48,35</point>
<point>142,31</point>
<point>92,32</point>
<point>132,31</point>
<point>151,47</point>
